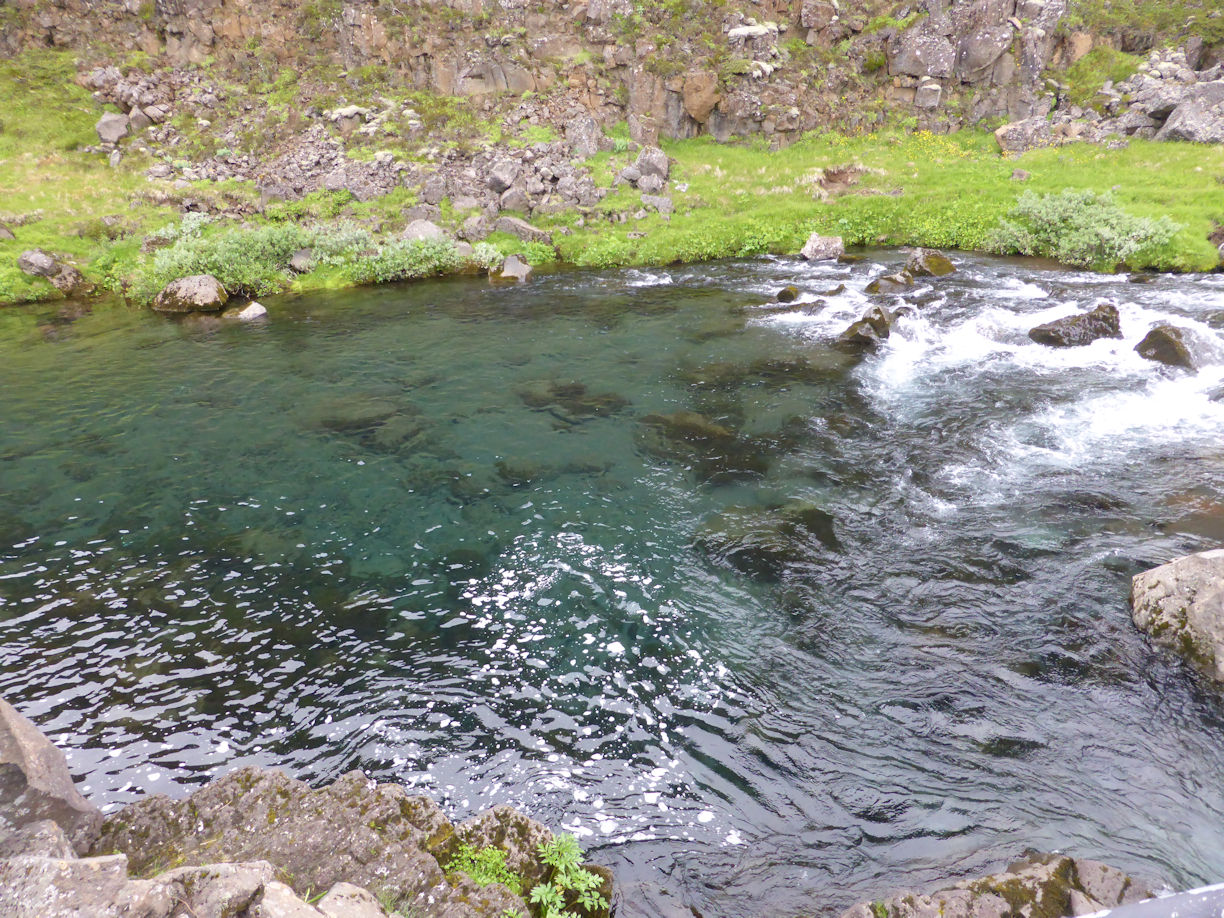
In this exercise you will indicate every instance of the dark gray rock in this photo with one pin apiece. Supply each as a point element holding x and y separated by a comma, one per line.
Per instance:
<point>43,838</point>
<point>196,293</point>
<point>890,283</point>
<point>6,233</point>
<point>302,261</point>
<point>112,127</point>
<point>763,541</point>
<point>653,161</point>
<point>422,229</point>
<point>659,203</point>
<point>1176,346</point>
<point>650,184</point>
<point>1079,330</point>
<point>585,137</point>
<point>503,175</point>
<point>1028,134</point>
<point>1181,605</point>
<point>38,263</point>
<point>515,199</point>
<point>35,784</point>
<point>1198,117</point>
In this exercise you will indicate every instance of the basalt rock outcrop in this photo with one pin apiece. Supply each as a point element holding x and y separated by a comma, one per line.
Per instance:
<point>1051,886</point>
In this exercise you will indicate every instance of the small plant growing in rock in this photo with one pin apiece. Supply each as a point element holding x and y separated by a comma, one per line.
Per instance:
<point>485,867</point>
<point>570,886</point>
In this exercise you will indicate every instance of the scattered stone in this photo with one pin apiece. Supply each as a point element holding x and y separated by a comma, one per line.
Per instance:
<point>475,228</point>
<point>6,233</point>
<point>788,294</point>
<point>929,263</point>
<point>522,229</point>
<point>658,203</point>
<point>422,229</point>
<point>1048,885</point>
<point>1079,330</point>
<point>1029,134</point>
<point>653,161</point>
<point>112,127</point>
<point>38,263</point>
<point>515,199</point>
<point>35,784</point>
<point>502,175</point>
<point>822,248</point>
<point>869,331</point>
<point>196,293</point>
<point>1176,346</point>
<point>650,184</point>
<point>514,268</point>
<point>138,120</point>
<point>114,159</point>
<point>1020,175</point>
<point>1181,605</point>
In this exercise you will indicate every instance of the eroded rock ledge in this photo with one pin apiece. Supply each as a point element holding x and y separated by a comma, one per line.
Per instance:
<point>252,844</point>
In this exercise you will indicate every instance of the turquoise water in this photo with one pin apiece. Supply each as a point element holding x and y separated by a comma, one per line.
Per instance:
<point>457,536</point>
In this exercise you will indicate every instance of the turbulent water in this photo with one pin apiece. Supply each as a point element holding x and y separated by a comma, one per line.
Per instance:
<point>446,533</point>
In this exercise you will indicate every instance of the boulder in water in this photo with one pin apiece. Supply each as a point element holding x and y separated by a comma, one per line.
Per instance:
<point>1046,885</point>
<point>929,263</point>
<point>869,331</point>
<point>891,283</point>
<point>822,248</point>
<point>513,268</point>
<point>1181,605</point>
<point>195,293</point>
<point>1176,346</point>
<point>788,294</point>
<point>1081,329</point>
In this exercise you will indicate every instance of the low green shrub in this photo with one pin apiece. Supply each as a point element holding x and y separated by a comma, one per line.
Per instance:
<point>1079,228</point>
<point>405,260</point>
<point>569,885</point>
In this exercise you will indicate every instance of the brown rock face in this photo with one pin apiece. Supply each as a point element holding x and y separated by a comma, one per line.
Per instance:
<point>701,94</point>
<point>35,784</point>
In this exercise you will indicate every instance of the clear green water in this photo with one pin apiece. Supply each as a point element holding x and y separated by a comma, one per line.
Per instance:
<point>440,533</point>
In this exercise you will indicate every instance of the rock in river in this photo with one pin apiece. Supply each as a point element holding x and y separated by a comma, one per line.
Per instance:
<point>929,263</point>
<point>196,293</point>
<point>1181,605</point>
<point>763,541</point>
<point>1176,346</point>
<point>1080,329</point>
<point>1040,886</point>
<point>822,248</point>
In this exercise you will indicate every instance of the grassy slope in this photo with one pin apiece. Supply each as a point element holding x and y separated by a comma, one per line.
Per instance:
<point>928,190</point>
<point>741,200</point>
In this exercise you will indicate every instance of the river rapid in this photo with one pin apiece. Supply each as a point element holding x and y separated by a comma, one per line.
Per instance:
<point>448,533</point>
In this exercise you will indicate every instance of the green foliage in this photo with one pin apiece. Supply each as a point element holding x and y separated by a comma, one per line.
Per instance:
<point>1080,228</point>
<point>485,867</point>
<point>1087,75</point>
<point>248,262</point>
<point>569,885</point>
<point>1160,20</point>
<point>880,23</point>
<point>405,260</point>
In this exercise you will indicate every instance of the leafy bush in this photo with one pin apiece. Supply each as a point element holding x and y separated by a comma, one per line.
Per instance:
<point>569,885</point>
<point>485,866</point>
<point>405,260</point>
<point>247,262</point>
<point>1079,228</point>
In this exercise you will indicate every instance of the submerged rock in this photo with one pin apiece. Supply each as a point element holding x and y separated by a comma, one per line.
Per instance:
<point>822,248</point>
<point>929,263</point>
<point>714,452</point>
<point>1041,886</point>
<point>763,541</point>
<point>572,399</point>
<point>1081,329</point>
<point>1181,605</point>
<point>35,784</point>
<point>1176,346</point>
<point>195,293</point>
<point>344,413</point>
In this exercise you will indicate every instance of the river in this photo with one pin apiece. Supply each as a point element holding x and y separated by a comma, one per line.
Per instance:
<point>448,533</point>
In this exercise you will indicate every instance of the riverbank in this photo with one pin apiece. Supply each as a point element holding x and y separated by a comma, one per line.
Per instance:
<point>896,186</point>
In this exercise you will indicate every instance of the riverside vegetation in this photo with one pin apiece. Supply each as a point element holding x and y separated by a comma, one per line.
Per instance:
<point>1149,205</point>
